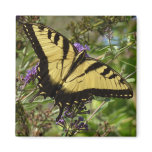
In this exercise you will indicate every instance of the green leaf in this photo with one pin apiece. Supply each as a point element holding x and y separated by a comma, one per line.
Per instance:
<point>131,80</point>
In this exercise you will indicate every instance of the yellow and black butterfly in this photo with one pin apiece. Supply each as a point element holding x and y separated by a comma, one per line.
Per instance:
<point>68,75</point>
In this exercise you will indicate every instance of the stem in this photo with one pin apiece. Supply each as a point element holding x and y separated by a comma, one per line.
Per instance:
<point>91,116</point>
<point>29,94</point>
<point>120,51</point>
<point>52,107</point>
<point>110,44</point>
<point>127,63</point>
<point>130,75</point>
<point>54,112</point>
<point>32,99</point>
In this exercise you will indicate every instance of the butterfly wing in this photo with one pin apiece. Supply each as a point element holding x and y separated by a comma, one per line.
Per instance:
<point>56,56</point>
<point>93,77</point>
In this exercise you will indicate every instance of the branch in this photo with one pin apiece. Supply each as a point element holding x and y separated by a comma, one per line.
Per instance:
<point>32,99</point>
<point>130,75</point>
<point>92,115</point>
<point>121,51</point>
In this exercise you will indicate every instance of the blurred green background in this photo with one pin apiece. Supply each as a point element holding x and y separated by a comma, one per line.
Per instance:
<point>112,39</point>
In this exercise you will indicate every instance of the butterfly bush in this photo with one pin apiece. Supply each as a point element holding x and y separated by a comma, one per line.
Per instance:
<point>71,121</point>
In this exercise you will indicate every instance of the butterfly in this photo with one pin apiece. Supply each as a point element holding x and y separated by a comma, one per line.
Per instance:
<point>69,76</point>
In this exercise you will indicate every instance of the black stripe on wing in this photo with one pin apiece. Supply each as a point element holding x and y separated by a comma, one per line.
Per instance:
<point>93,67</point>
<point>35,43</point>
<point>56,38</point>
<point>65,48</point>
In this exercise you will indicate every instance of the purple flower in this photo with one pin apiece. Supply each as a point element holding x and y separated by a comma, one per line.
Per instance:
<point>30,75</point>
<point>79,124</point>
<point>80,119</point>
<point>86,126</point>
<point>80,48</point>
<point>68,113</point>
<point>61,122</point>
<point>87,47</point>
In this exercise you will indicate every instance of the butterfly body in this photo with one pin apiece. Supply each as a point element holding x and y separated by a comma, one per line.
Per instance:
<point>68,75</point>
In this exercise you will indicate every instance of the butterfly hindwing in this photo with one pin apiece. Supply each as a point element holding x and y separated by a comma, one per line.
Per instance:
<point>92,77</point>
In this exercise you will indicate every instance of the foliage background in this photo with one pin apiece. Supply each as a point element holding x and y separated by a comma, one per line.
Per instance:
<point>112,39</point>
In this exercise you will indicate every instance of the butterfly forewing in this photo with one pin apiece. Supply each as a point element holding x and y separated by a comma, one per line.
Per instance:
<point>56,56</point>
